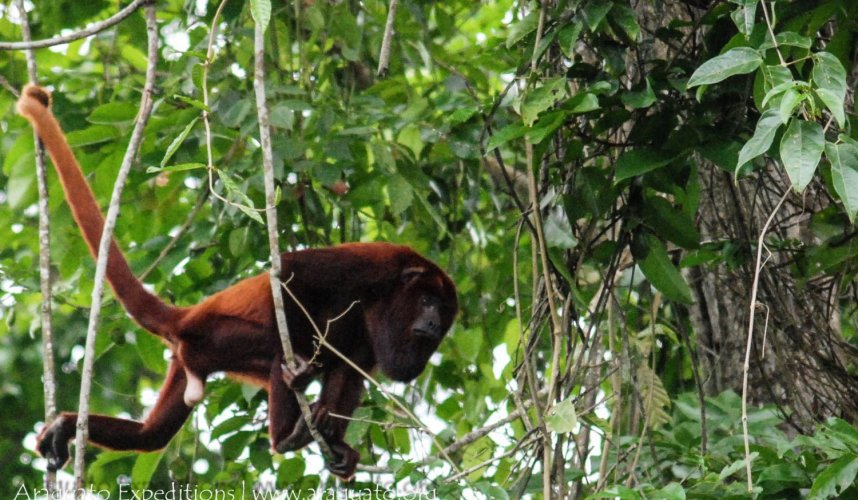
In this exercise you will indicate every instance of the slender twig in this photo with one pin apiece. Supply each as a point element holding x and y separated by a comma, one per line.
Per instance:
<point>77,35</point>
<point>772,33</point>
<point>384,53</point>
<point>750,342</point>
<point>82,434</point>
<point>271,216</point>
<point>486,463</point>
<point>470,437</point>
<point>48,368</point>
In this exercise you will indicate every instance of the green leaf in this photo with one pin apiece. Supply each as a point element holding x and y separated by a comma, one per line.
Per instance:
<point>835,478</point>
<point>673,491</point>
<point>639,99</point>
<point>639,161</point>
<point>181,167</point>
<point>568,36</point>
<point>542,98</point>
<point>779,89</point>
<point>764,135</point>
<point>788,38</point>
<point>670,223</point>
<point>112,113</point>
<point>96,134</point>
<point>744,16</point>
<point>736,466</point>
<point>468,343</point>
<point>191,102</point>
<point>624,16</point>
<point>462,115</point>
<point>400,193</point>
<point>844,174</point>
<point>134,56</point>
<point>830,80</point>
<point>791,99</point>
<point>177,142</point>
<point>661,273</point>
<point>144,467</point>
<point>261,12</point>
<point>506,134</point>
<point>562,417</point>
<point>801,148</point>
<point>736,61</point>
<point>594,12</point>
<point>523,28</point>
<point>290,471</point>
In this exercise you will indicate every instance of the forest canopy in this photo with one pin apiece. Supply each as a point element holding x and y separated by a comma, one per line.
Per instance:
<point>647,209</point>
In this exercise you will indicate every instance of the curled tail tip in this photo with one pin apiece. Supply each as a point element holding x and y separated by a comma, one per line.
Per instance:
<point>31,93</point>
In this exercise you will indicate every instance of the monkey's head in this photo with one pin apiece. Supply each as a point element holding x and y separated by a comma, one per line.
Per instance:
<point>408,325</point>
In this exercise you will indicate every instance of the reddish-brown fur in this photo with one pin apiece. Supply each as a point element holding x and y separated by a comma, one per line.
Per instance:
<point>405,306</point>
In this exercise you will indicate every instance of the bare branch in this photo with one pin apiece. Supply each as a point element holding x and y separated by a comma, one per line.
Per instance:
<point>384,53</point>
<point>48,368</point>
<point>82,434</point>
<point>271,216</point>
<point>77,35</point>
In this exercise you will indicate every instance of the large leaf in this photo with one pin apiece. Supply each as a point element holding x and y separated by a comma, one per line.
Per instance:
<point>562,417</point>
<point>830,80</point>
<point>764,135</point>
<point>736,61</point>
<point>801,149</point>
<point>662,274</point>
<point>260,10</point>
<point>639,161</point>
<point>844,174</point>
<point>836,478</point>
<point>542,98</point>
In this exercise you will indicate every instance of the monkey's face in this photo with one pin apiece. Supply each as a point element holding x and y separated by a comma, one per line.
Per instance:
<point>408,327</point>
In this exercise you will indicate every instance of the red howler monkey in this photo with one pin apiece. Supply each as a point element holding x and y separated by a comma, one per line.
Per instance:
<point>405,306</point>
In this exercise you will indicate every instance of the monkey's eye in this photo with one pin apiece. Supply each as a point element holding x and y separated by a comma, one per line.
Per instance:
<point>427,300</point>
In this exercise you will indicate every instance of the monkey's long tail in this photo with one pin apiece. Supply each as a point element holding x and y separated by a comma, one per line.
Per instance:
<point>148,310</point>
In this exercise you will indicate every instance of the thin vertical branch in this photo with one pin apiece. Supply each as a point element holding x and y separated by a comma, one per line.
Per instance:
<point>384,53</point>
<point>271,217</point>
<point>82,434</point>
<point>48,368</point>
<point>758,267</point>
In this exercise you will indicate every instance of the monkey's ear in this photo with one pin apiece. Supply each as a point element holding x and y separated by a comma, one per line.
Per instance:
<point>410,274</point>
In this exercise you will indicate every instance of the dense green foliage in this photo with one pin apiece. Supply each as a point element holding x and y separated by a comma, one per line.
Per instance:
<point>609,117</point>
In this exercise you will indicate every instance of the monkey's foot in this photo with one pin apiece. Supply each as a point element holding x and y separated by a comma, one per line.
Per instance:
<point>344,461</point>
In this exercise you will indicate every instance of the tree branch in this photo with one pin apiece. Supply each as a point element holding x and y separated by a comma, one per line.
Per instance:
<point>77,35</point>
<point>82,434</point>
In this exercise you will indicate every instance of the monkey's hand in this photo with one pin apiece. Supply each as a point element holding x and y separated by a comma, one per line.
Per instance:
<point>299,378</point>
<point>53,442</point>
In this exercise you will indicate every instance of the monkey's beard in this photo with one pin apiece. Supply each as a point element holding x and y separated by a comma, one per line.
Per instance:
<point>403,357</point>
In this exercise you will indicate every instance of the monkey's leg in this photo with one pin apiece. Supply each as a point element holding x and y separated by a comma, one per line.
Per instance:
<point>283,411</point>
<point>163,422</point>
<point>342,390</point>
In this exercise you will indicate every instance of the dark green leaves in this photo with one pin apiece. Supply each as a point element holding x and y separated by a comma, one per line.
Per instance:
<point>736,61</point>
<point>662,274</point>
<point>764,135</point>
<point>640,161</point>
<point>844,174</point>
<point>830,80</point>
<point>801,148</point>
